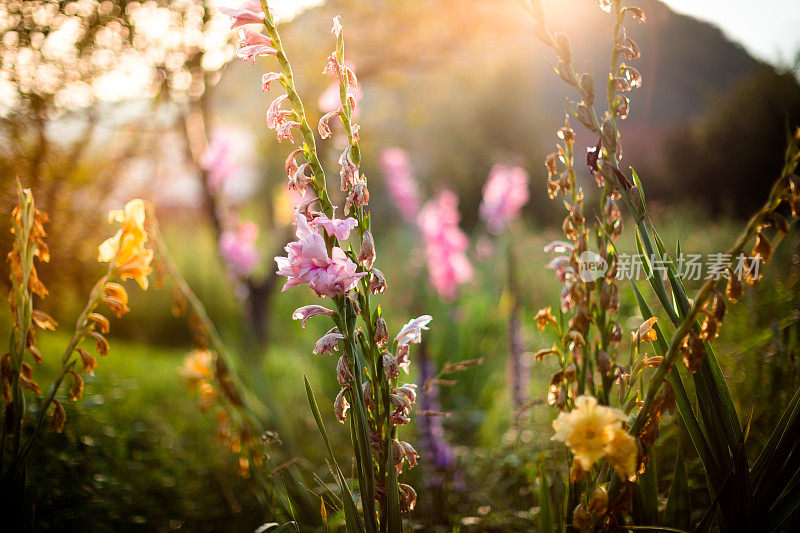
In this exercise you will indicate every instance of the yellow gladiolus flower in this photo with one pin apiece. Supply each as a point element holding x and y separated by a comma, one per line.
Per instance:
<point>587,429</point>
<point>127,247</point>
<point>621,451</point>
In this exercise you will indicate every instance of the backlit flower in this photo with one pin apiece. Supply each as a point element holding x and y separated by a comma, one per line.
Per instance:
<point>412,331</point>
<point>400,182</point>
<point>445,245</point>
<point>504,194</point>
<point>307,311</point>
<point>217,160</point>
<point>307,261</point>
<point>249,13</point>
<point>238,249</point>
<point>336,227</point>
<point>127,247</point>
<point>588,429</point>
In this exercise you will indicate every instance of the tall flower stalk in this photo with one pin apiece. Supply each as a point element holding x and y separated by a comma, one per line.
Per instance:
<point>128,257</point>
<point>342,268</point>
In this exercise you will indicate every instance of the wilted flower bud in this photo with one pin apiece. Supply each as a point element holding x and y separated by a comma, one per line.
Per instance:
<point>408,498</point>
<point>381,332</point>
<point>581,518</point>
<point>390,367</point>
<point>377,282</point>
<point>603,363</point>
<point>636,12</point>
<point>343,374</point>
<point>598,503</point>
<point>762,247</point>
<point>734,288</point>
<point>367,254</point>
<point>544,317</point>
<point>615,335</point>
<point>621,106</point>
<point>646,331</point>
<point>693,352</point>
<point>340,406</point>
<point>563,46</point>
<point>587,87</point>
<point>59,416</point>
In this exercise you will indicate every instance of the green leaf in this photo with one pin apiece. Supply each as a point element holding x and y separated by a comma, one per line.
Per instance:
<point>679,509</point>
<point>545,517</point>
<point>681,397</point>
<point>645,497</point>
<point>352,517</point>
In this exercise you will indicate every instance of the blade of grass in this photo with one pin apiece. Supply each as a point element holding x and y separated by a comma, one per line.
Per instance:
<point>352,518</point>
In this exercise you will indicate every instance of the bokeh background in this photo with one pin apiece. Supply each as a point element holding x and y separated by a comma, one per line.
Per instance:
<point>104,101</point>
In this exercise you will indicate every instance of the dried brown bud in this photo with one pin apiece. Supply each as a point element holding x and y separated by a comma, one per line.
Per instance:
<point>598,503</point>
<point>59,416</point>
<point>408,498</point>
<point>100,321</point>
<point>43,320</point>
<point>381,332</point>
<point>603,363</point>
<point>343,374</point>
<point>762,247</point>
<point>367,254</point>
<point>544,317</point>
<point>100,342</point>
<point>87,360</point>
<point>636,12</point>
<point>693,352</point>
<point>734,288</point>
<point>586,83</point>
<point>390,367</point>
<point>541,354</point>
<point>582,519</point>
<point>76,390</point>
<point>615,335</point>
<point>377,282</point>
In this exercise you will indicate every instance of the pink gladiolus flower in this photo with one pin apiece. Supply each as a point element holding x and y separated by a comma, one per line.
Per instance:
<point>504,194</point>
<point>445,245</point>
<point>560,265</point>
<point>307,311</point>
<point>328,342</point>
<point>216,160</point>
<point>248,37</point>
<point>307,261</point>
<point>239,250</point>
<point>267,79</point>
<point>559,247</point>
<point>275,115</point>
<point>412,331</point>
<point>400,182</point>
<point>336,227</point>
<point>250,53</point>
<point>248,13</point>
<point>337,25</point>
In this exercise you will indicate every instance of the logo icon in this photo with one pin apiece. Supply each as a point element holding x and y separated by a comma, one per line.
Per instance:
<point>591,266</point>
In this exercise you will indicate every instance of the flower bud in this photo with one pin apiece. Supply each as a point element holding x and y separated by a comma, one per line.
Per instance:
<point>381,332</point>
<point>598,503</point>
<point>587,87</point>
<point>367,254</point>
<point>377,282</point>
<point>563,47</point>
<point>343,374</point>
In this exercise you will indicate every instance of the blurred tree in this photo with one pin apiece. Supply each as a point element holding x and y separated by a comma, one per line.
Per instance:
<point>87,91</point>
<point>729,156</point>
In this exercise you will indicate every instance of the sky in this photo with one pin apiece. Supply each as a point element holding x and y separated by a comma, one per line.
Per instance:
<point>768,29</point>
